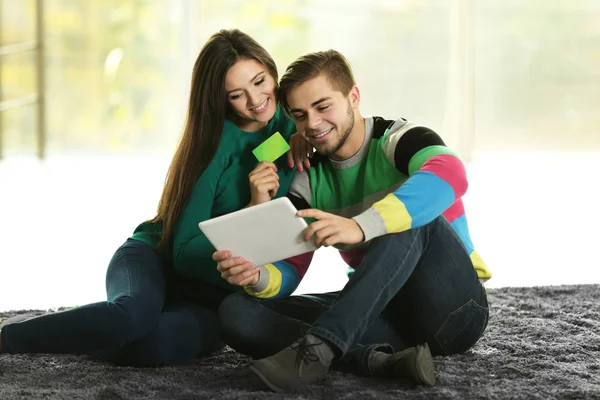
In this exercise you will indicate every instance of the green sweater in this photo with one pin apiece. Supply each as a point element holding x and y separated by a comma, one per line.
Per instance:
<point>221,189</point>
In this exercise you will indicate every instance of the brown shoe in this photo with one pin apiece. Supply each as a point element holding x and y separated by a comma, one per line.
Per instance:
<point>294,367</point>
<point>415,364</point>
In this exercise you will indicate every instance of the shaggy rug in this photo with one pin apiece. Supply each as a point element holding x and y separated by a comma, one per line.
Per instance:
<point>541,343</point>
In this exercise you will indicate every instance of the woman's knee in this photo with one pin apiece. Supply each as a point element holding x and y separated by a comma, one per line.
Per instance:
<point>177,338</point>
<point>127,323</point>
<point>135,286</point>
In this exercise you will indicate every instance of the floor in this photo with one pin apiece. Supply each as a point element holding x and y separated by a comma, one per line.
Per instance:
<point>532,218</point>
<point>540,343</point>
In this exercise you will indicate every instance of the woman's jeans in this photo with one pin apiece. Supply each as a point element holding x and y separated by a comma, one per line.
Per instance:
<point>136,326</point>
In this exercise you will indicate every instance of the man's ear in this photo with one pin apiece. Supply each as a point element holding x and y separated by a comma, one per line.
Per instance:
<point>354,96</point>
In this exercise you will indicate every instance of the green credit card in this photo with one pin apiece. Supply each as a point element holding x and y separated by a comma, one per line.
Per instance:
<point>271,149</point>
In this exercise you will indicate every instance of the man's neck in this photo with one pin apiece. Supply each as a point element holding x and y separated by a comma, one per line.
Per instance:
<point>354,142</point>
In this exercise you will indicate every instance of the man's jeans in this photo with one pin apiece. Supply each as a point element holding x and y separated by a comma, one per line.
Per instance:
<point>412,287</point>
<point>137,326</point>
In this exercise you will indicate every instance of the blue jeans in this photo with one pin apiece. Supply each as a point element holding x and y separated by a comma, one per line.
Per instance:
<point>139,325</point>
<point>412,287</point>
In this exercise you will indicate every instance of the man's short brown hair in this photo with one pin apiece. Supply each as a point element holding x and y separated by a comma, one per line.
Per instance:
<point>332,64</point>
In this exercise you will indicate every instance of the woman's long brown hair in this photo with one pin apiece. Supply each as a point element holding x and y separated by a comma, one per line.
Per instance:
<point>208,107</point>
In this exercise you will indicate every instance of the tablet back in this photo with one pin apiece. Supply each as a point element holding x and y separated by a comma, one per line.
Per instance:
<point>262,234</point>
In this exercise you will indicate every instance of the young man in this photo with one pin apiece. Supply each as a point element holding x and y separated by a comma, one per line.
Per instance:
<point>387,193</point>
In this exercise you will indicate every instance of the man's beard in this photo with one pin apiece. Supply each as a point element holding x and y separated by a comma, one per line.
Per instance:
<point>346,129</point>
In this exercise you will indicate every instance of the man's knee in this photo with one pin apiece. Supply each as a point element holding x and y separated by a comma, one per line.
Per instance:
<point>236,313</point>
<point>437,224</point>
<point>239,314</point>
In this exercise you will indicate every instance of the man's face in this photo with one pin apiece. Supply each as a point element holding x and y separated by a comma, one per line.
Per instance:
<point>323,116</point>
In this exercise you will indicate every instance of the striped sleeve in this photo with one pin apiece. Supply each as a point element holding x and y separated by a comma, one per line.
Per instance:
<point>281,278</point>
<point>436,179</point>
<point>300,192</point>
<point>458,219</point>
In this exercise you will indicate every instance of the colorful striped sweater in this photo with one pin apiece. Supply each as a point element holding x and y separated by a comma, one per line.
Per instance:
<point>403,177</point>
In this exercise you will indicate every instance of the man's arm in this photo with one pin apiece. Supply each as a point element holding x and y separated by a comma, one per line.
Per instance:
<point>436,180</point>
<point>281,278</point>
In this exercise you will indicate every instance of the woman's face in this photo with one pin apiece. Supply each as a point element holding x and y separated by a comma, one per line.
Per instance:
<point>251,92</point>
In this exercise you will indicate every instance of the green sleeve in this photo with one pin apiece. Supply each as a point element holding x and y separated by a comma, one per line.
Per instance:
<point>192,251</point>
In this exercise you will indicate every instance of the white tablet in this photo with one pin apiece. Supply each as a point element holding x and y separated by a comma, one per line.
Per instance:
<point>262,234</point>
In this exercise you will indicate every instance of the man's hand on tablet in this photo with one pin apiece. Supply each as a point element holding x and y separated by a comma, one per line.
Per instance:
<point>330,229</point>
<point>237,271</point>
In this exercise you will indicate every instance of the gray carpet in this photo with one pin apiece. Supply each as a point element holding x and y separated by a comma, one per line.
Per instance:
<point>541,343</point>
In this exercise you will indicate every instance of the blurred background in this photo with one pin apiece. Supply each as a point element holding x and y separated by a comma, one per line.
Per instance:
<point>93,97</point>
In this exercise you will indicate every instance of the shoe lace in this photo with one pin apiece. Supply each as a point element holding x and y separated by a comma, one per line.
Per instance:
<point>304,353</point>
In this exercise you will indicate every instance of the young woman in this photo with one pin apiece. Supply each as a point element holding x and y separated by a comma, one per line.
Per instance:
<point>163,288</point>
